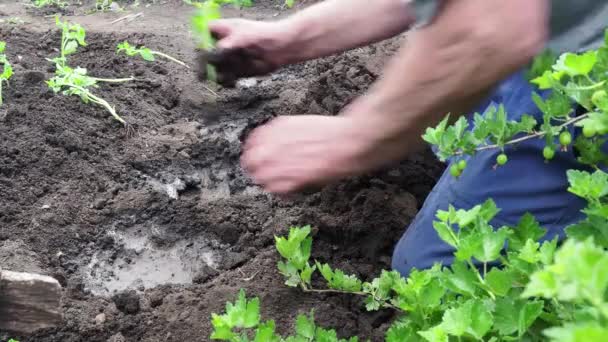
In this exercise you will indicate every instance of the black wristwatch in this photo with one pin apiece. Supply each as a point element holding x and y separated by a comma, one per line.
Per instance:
<point>425,10</point>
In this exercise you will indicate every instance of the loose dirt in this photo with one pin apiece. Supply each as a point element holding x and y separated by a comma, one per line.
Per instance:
<point>152,233</point>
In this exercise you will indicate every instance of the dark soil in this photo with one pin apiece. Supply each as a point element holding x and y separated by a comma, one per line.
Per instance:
<point>152,233</point>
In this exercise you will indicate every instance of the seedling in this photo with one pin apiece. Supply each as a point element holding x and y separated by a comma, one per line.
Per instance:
<point>48,3</point>
<point>145,53</point>
<point>76,81</point>
<point>13,21</point>
<point>242,322</point>
<point>103,5</point>
<point>7,69</point>
<point>207,11</point>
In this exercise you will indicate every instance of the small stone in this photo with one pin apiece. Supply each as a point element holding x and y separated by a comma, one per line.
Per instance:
<point>127,302</point>
<point>247,83</point>
<point>117,338</point>
<point>100,319</point>
<point>184,315</point>
<point>99,203</point>
<point>156,299</point>
<point>205,274</point>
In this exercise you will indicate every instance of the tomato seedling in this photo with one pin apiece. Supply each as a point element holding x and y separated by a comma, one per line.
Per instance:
<point>7,69</point>
<point>47,3</point>
<point>145,53</point>
<point>76,81</point>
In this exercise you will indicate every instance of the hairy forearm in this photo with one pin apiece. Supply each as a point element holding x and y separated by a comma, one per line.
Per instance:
<point>450,65</point>
<point>337,25</point>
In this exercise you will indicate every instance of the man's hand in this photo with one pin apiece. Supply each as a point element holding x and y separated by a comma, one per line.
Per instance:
<point>446,67</point>
<point>293,153</point>
<point>248,48</point>
<point>245,48</point>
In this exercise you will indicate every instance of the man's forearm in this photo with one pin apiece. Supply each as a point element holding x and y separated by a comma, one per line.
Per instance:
<point>448,66</point>
<point>337,25</point>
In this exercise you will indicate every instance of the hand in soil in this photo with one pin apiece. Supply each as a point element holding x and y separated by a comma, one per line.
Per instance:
<point>292,153</point>
<point>245,48</point>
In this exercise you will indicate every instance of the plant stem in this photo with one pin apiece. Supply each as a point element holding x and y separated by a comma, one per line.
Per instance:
<point>357,293</point>
<point>528,137</point>
<point>113,80</point>
<point>170,58</point>
<point>480,278</point>
<point>101,102</point>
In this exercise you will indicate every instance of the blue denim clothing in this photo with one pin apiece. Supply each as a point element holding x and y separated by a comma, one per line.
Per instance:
<point>525,184</point>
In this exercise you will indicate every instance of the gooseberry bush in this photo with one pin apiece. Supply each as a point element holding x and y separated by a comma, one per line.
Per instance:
<point>506,283</point>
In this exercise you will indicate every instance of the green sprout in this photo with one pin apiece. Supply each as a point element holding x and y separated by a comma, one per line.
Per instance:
<point>76,81</point>
<point>145,53</point>
<point>48,3</point>
<point>7,69</point>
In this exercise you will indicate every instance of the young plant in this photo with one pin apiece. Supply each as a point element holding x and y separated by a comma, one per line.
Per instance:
<point>49,3</point>
<point>7,69</point>
<point>103,5</point>
<point>242,322</point>
<point>145,53</point>
<point>76,81</point>
<point>13,21</point>
<point>207,11</point>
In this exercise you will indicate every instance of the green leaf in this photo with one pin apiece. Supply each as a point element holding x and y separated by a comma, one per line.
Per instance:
<point>527,229</point>
<point>461,279</point>
<point>401,331</point>
<point>576,65</point>
<point>473,318</point>
<point>577,274</point>
<point>266,333</point>
<point>70,47</point>
<point>446,233</point>
<point>499,281</point>
<point>481,319</point>
<point>296,247</point>
<point>547,251</point>
<point>307,272</point>
<point>290,272</point>
<point>456,321</point>
<point>336,279</point>
<point>435,334</point>
<point>491,244</point>
<point>557,105</point>
<point>584,332</point>
<point>207,12</point>
<point>146,54</point>
<point>529,253</point>
<point>540,64</point>
<point>590,150</point>
<point>591,187</point>
<point>305,327</point>
<point>515,315</point>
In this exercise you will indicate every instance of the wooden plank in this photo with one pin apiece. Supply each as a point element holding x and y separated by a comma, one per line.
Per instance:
<point>28,302</point>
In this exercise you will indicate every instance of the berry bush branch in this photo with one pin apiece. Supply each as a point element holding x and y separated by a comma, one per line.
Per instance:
<point>572,80</point>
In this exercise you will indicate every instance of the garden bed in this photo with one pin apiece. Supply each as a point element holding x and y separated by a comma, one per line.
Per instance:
<point>151,233</point>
